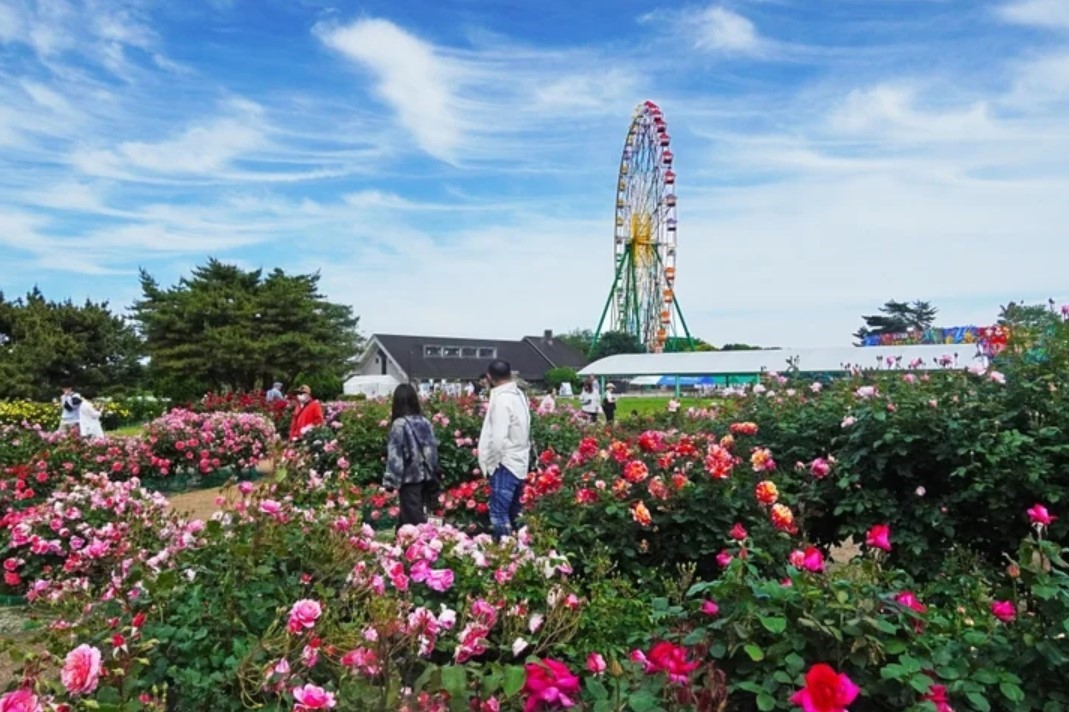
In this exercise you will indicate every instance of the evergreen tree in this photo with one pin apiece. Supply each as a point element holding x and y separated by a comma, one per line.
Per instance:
<point>226,328</point>
<point>44,343</point>
<point>898,317</point>
<point>612,343</point>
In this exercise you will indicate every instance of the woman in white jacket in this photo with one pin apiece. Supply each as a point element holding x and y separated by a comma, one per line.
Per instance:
<point>89,421</point>
<point>589,402</point>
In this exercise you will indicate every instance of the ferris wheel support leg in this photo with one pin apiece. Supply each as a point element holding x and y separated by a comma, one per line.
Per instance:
<point>683,323</point>
<point>679,313</point>
<point>608,305</point>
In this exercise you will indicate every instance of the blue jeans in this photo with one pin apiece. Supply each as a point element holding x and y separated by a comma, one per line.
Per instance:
<point>506,490</point>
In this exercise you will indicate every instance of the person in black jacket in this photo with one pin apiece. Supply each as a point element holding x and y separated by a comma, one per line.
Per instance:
<point>411,457</point>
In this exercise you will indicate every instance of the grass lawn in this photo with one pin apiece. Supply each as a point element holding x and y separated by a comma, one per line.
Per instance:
<point>647,405</point>
<point>127,431</point>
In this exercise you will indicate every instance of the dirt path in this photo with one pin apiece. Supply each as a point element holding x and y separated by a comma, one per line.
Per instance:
<point>199,504</point>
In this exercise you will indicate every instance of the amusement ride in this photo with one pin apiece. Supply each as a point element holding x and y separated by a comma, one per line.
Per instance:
<point>642,301</point>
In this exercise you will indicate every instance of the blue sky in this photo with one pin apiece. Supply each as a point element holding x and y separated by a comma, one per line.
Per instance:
<point>449,167</point>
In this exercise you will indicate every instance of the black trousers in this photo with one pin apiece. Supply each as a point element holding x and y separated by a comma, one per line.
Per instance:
<point>413,500</point>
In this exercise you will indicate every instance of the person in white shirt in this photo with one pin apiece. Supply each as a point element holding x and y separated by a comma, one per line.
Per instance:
<point>275,394</point>
<point>588,402</point>
<point>548,404</point>
<point>70,409</point>
<point>89,426</point>
<point>505,448</point>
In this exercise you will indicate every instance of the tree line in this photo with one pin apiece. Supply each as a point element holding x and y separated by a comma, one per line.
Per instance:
<point>221,328</point>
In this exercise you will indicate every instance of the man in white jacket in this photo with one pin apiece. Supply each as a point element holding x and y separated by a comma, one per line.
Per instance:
<point>505,448</point>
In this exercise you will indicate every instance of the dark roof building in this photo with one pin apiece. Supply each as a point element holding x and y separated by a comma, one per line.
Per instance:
<point>422,358</point>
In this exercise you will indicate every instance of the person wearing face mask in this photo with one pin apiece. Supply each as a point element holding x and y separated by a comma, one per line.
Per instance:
<point>308,414</point>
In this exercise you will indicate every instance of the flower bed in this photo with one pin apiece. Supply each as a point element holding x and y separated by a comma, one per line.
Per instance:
<point>707,575</point>
<point>175,451</point>
<point>114,413</point>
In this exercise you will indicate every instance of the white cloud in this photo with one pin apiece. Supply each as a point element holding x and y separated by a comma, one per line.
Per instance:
<point>1037,13</point>
<point>45,96</point>
<point>10,24</point>
<point>200,149</point>
<point>1039,82</point>
<point>722,30</point>
<point>410,76</point>
<point>888,110</point>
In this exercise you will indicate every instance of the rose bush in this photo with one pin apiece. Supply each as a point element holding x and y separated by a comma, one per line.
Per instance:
<point>33,461</point>
<point>281,606</point>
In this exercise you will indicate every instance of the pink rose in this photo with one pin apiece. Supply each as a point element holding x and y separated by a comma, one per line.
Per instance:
<point>1039,515</point>
<point>1004,611</point>
<point>271,507</point>
<point>813,560</point>
<point>246,487</point>
<point>97,549</point>
<point>20,701</point>
<point>23,700</point>
<point>311,697</point>
<point>879,537</point>
<point>81,670</point>
<point>549,684</point>
<point>440,580</point>
<point>820,468</point>
<point>303,615</point>
<point>710,608</point>
<point>595,664</point>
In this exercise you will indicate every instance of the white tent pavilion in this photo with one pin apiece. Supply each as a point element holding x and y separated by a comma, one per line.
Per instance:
<point>808,361</point>
<point>371,386</point>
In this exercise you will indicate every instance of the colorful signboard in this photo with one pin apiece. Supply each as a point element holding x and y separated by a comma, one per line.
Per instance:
<point>991,338</point>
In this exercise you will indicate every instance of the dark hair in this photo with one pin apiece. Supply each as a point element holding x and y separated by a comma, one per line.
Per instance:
<point>405,402</point>
<point>499,371</point>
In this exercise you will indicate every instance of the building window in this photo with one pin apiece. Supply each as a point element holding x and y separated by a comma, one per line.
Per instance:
<point>487,352</point>
<point>451,352</point>
<point>432,351</point>
<point>469,352</point>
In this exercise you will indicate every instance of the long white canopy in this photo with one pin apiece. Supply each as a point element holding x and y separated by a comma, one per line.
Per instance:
<point>829,360</point>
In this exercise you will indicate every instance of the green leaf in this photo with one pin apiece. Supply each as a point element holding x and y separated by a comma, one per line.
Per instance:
<point>455,681</point>
<point>642,701</point>
<point>597,690</point>
<point>755,653</point>
<point>978,701</point>
<point>892,672</point>
<point>774,624</point>
<point>1012,692</point>
<point>766,702</point>
<point>514,678</point>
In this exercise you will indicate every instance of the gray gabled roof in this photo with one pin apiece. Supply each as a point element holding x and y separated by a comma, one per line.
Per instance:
<point>530,357</point>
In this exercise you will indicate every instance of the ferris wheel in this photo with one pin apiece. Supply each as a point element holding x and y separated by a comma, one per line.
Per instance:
<point>642,301</point>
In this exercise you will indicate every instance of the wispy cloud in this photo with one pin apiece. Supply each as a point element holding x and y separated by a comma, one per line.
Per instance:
<point>887,111</point>
<point>200,149</point>
<point>719,29</point>
<point>410,76</point>
<point>1037,13</point>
